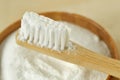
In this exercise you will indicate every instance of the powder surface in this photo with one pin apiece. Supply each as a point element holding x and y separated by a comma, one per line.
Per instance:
<point>19,63</point>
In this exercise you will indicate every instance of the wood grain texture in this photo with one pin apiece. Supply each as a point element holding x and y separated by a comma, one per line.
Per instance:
<point>75,19</point>
<point>80,56</point>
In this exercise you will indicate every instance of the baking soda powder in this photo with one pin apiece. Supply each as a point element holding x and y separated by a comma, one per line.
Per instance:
<point>19,63</point>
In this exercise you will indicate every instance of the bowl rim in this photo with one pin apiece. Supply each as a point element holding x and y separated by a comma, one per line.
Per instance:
<point>13,27</point>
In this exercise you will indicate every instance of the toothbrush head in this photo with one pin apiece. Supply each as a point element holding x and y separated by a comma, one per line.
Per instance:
<point>43,32</point>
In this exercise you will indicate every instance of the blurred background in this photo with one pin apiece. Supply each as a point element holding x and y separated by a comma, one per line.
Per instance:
<point>104,12</point>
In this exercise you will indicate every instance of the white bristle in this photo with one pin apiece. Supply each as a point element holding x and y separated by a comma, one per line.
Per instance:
<point>36,35</point>
<point>57,40</point>
<point>24,29</point>
<point>46,37</point>
<point>43,31</point>
<point>41,37</point>
<point>51,38</point>
<point>63,39</point>
<point>31,35</point>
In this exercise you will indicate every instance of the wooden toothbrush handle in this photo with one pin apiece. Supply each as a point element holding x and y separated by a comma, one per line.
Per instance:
<point>90,59</point>
<point>81,56</point>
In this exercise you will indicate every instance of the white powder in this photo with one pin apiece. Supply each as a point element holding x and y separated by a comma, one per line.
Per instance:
<point>19,63</point>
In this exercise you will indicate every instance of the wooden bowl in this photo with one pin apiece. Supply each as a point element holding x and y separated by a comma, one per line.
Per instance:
<point>74,19</point>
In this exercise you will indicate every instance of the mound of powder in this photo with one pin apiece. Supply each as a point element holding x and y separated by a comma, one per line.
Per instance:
<point>19,63</point>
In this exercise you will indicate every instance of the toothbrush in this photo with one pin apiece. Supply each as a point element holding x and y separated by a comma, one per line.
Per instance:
<point>50,37</point>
